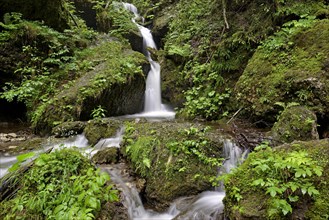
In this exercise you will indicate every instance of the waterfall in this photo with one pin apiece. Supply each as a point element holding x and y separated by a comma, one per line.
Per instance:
<point>153,106</point>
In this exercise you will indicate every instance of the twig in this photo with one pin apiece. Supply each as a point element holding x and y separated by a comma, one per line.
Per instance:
<point>224,14</point>
<point>235,114</point>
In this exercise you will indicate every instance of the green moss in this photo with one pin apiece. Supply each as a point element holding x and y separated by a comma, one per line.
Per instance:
<point>255,201</point>
<point>295,123</point>
<point>107,156</point>
<point>176,159</point>
<point>104,128</point>
<point>102,71</point>
<point>288,67</point>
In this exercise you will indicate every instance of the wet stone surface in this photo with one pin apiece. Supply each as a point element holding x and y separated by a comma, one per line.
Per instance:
<point>12,135</point>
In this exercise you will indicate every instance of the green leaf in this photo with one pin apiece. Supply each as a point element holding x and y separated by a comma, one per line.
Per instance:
<point>40,162</point>
<point>318,171</point>
<point>293,187</point>
<point>14,167</point>
<point>26,156</point>
<point>312,191</point>
<point>147,162</point>
<point>258,182</point>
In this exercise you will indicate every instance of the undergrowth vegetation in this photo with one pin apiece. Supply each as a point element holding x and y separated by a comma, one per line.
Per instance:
<point>60,185</point>
<point>283,181</point>
<point>181,158</point>
<point>44,53</point>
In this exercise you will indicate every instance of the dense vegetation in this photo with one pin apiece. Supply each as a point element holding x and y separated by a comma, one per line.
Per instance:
<point>60,185</point>
<point>262,61</point>
<point>174,159</point>
<point>287,182</point>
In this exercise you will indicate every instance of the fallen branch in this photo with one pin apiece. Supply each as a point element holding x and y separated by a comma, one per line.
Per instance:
<point>235,114</point>
<point>224,14</point>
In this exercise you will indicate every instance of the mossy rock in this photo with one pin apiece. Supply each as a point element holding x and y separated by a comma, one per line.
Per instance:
<point>111,77</point>
<point>51,12</point>
<point>107,156</point>
<point>67,129</point>
<point>101,128</point>
<point>245,200</point>
<point>290,67</point>
<point>174,158</point>
<point>296,123</point>
<point>28,145</point>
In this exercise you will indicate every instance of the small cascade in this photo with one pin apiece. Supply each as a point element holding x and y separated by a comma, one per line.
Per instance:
<point>209,205</point>
<point>153,106</point>
<point>206,206</point>
<point>132,200</point>
<point>79,141</point>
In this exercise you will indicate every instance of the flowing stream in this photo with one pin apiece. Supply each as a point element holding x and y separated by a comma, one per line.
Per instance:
<point>206,206</point>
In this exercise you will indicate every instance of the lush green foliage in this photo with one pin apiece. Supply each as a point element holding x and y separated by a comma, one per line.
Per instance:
<point>189,143</point>
<point>203,98</point>
<point>98,112</point>
<point>60,185</point>
<point>212,54</point>
<point>193,142</point>
<point>280,68</point>
<point>112,16</point>
<point>286,177</point>
<point>46,53</point>
<point>100,67</point>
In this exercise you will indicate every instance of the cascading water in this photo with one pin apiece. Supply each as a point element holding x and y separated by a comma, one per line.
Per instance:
<point>206,206</point>
<point>153,106</point>
<point>79,141</point>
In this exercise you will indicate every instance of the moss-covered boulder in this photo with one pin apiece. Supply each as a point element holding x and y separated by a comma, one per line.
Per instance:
<point>291,66</point>
<point>67,129</point>
<point>107,156</point>
<point>111,78</point>
<point>287,182</point>
<point>54,13</point>
<point>296,123</point>
<point>101,128</point>
<point>176,159</point>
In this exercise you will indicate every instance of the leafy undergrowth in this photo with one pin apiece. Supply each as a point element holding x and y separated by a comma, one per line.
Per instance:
<point>60,185</point>
<point>285,182</point>
<point>176,159</point>
<point>36,59</point>
<point>289,67</point>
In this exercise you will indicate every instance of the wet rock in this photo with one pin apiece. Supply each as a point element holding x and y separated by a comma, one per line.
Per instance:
<point>155,152</point>
<point>296,123</point>
<point>116,83</point>
<point>12,147</point>
<point>135,39</point>
<point>106,156</point>
<point>5,139</point>
<point>12,135</point>
<point>295,73</point>
<point>114,211</point>
<point>67,129</point>
<point>104,128</point>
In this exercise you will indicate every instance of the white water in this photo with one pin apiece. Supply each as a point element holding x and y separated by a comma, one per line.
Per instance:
<point>153,107</point>
<point>206,206</point>
<point>79,141</point>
